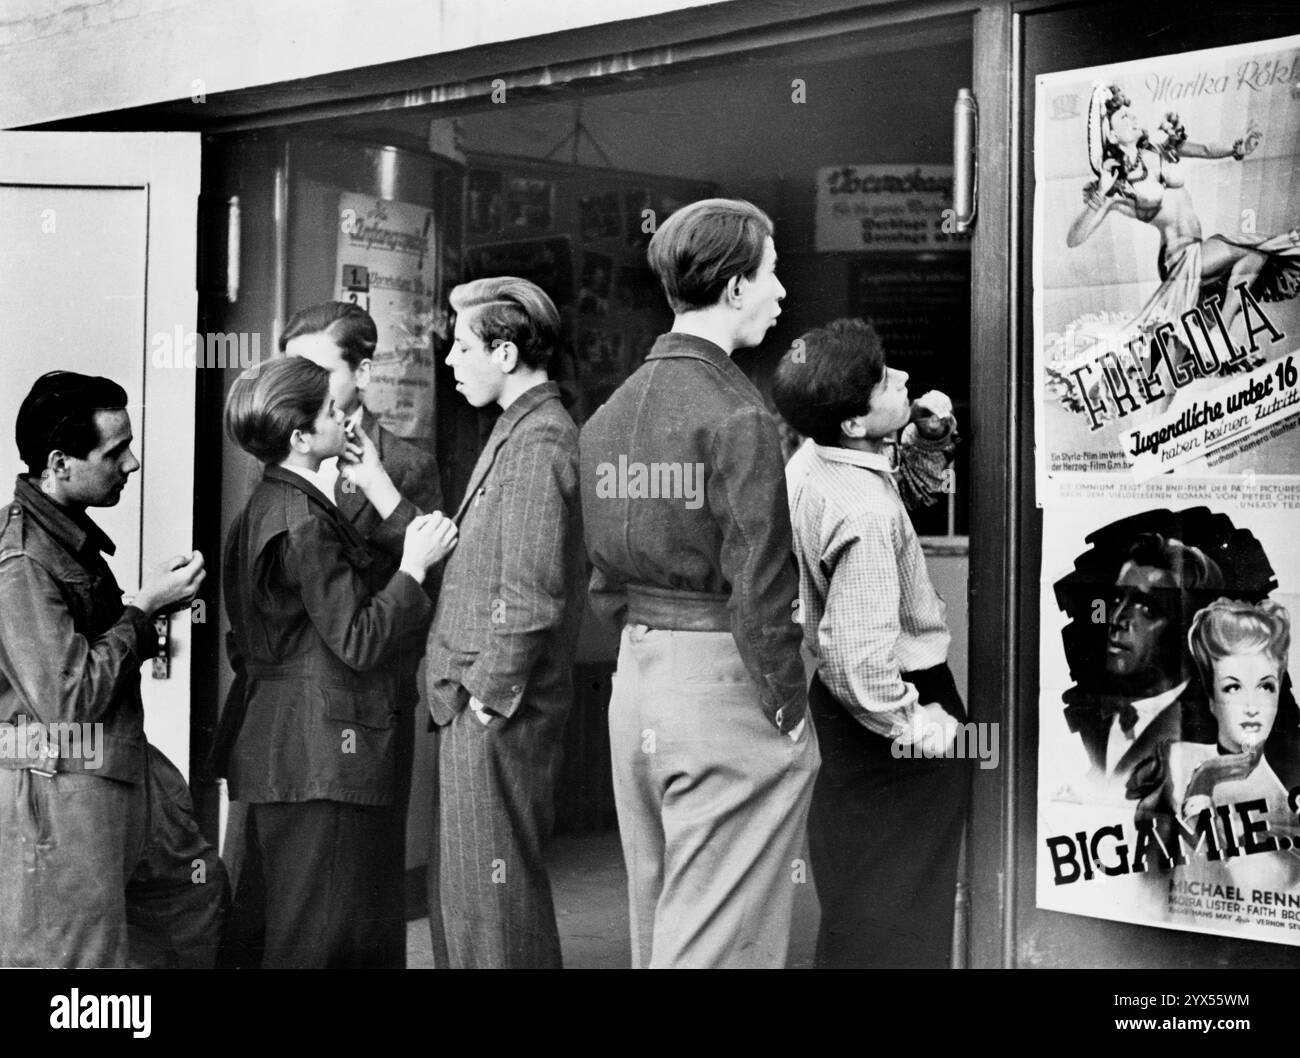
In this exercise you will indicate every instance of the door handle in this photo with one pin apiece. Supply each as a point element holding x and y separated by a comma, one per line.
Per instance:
<point>162,659</point>
<point>965,159</point>
<point>233,234</point>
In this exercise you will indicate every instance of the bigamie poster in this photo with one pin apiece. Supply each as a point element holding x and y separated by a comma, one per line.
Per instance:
<point>1169,738</point>
<point>1166,266</point>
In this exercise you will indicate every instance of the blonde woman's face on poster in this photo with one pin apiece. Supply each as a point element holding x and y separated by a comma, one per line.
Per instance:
<point>1244,698</point>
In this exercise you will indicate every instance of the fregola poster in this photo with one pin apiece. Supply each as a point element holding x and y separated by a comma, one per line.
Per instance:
<point>388,261</point>
<point>1167,346</point>
<point>1167,268</point>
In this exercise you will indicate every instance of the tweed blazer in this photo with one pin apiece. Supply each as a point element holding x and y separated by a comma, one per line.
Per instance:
<point>512,590</point>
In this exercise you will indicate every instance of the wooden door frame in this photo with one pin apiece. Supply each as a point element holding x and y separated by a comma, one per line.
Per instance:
<point>996,492</point>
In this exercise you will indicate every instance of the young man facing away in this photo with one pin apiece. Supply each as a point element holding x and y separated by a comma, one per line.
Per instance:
<point>713,758</point>
<point>101,861</point>
<point>884,829</point>
<point>500,659</point>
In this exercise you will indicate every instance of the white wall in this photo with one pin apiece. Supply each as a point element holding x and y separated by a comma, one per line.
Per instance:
<point>66,58</point>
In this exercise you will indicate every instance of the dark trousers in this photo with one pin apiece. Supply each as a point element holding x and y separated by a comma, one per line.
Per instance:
<point>884,835</point>
<point>493,809</point>
<point>244,943</point>
<point>313,887</point>
<point>100,873</point>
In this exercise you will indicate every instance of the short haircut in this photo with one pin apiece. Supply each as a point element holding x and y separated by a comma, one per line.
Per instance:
<point>1192,568</point>
<point>827,376</point>
<point>1229,626</point>
<point>268,402</point>
<point>350,326</point>
<point>510,309</point>
<point>58,414</point>
<point>698,249</point>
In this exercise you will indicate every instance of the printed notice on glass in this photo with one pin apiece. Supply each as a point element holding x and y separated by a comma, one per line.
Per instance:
<point>388,263</point>
<point>875,208</point>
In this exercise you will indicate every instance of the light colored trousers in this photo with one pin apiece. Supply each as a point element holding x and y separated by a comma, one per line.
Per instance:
<point>712,803</point>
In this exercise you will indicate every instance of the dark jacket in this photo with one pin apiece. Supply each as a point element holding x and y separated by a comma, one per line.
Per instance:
<point>312,639</point>
<point>512,596</point>
<point>1091,714</point>
<point>70,652</point>
<point>415,474</point>
<point>690,406</point>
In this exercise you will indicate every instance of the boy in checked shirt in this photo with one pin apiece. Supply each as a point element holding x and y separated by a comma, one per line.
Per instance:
<point>887,810</point>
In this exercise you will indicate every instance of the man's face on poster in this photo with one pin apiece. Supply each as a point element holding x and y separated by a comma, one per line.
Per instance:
<point>1143,634</point>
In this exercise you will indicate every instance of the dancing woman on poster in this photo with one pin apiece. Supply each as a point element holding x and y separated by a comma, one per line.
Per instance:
<point>1140,175</point>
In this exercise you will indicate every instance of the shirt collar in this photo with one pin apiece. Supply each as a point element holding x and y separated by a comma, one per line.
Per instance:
<point>74,530</point>
<point>526,402</point>
<point>876,461</point>
<point>1147,707</point>
<point>324,485</point>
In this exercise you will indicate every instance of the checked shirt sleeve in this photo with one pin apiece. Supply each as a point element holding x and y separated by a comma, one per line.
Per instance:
<point>860,627</point>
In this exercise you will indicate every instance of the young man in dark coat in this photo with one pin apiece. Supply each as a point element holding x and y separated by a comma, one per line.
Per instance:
<point>315,630</point>
<point>341,337</point>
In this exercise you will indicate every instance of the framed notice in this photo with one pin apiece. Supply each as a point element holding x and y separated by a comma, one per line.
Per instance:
<point>388,262</point>
<point>878,208</point>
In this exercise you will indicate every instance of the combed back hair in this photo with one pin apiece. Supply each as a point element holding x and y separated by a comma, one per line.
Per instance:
<point>699,248</point>
<point>350,326</point>
<point>268,402</point>
<point>1192,568</point>
<point>58,414</point>
<point>510,309</point>
<point>1229,626</point>
<point>827,376</point>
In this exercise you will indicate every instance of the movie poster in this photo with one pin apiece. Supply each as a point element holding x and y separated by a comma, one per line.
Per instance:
<point>1169,738</point>
<point>1167,268</point>
<point>388,262</point>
